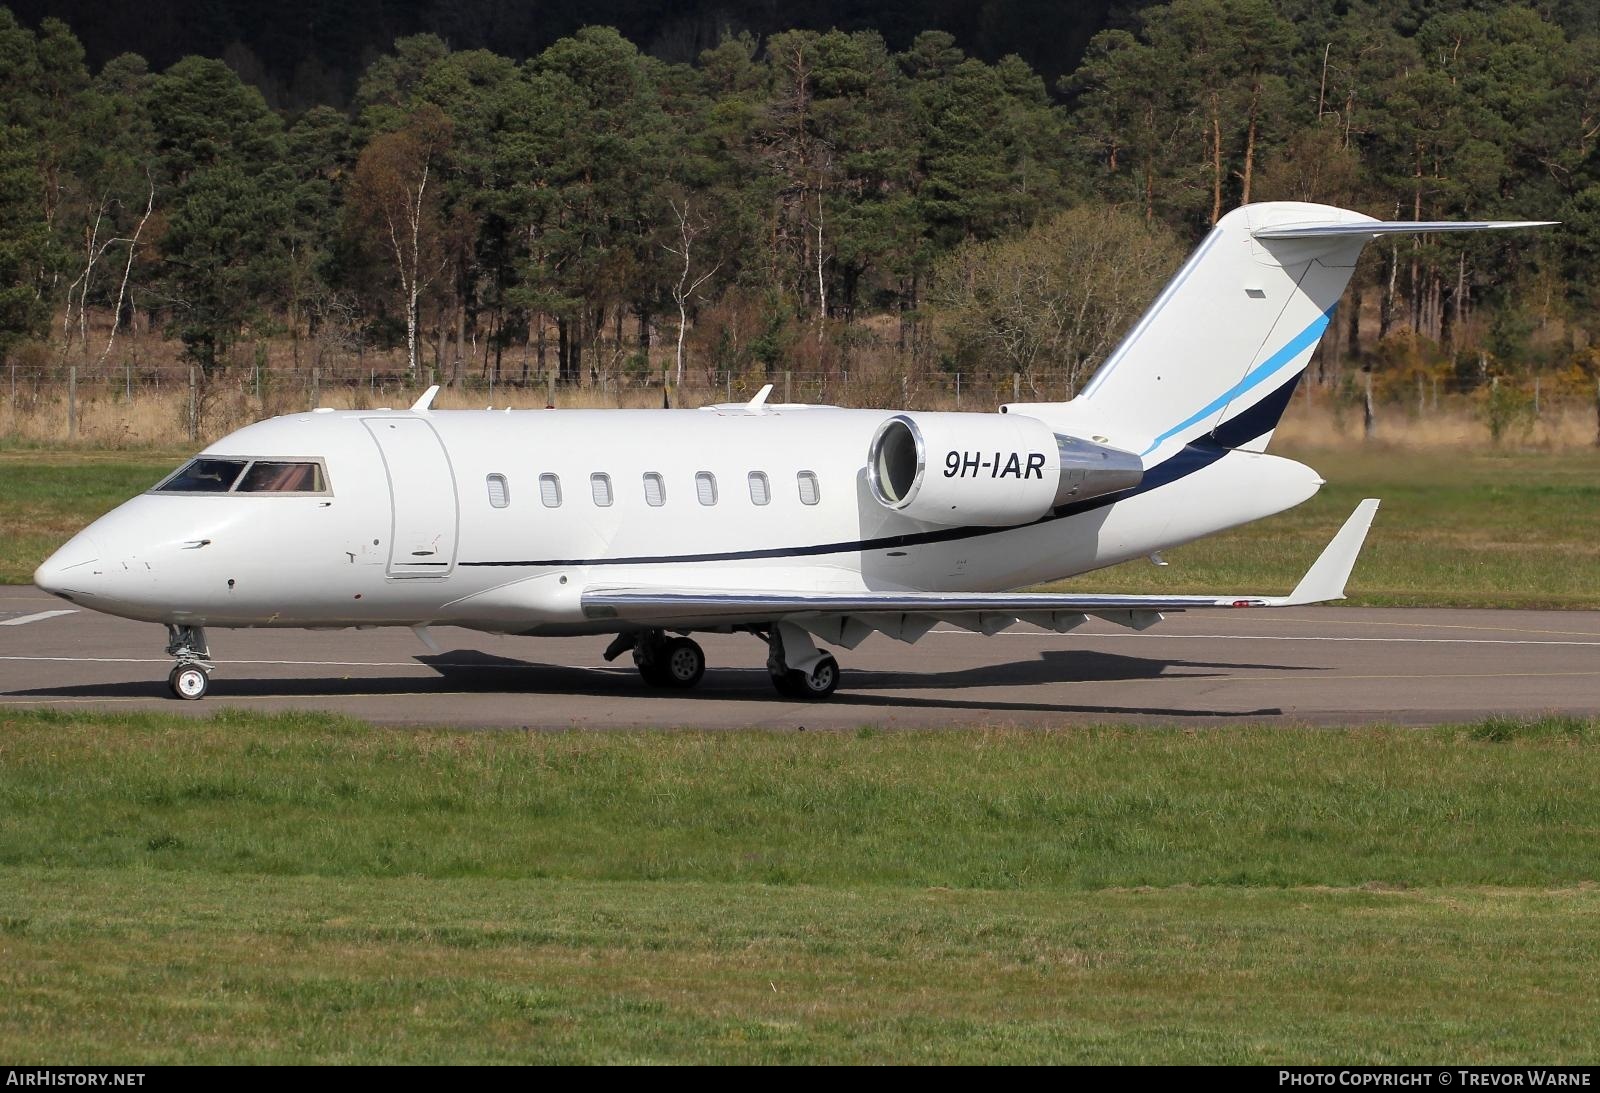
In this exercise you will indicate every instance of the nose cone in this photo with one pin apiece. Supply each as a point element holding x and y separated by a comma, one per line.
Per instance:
<point>69,569</point>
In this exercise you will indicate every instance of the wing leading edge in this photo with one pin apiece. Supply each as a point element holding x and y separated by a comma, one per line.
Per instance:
<point>845,618</point>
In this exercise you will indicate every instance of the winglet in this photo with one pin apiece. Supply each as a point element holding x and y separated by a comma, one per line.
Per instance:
<point>1326,578</point>
<point>757,404</point>
<point>425,403</point>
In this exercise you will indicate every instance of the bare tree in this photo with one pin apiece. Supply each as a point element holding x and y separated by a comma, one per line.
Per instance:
<point>75,319</point>
<point>1060,295</point>
<point>398,213</point>
<point>127,269</point>
<point>684,290</point>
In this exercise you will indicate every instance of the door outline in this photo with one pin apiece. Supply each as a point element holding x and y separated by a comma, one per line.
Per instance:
<point>400,566</point>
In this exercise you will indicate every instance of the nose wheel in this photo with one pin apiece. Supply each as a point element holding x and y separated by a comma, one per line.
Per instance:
<point>190,679</point>
<point>189,682</point>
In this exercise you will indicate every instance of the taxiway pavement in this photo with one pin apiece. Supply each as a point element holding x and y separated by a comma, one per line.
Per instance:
<point>1315,665</point>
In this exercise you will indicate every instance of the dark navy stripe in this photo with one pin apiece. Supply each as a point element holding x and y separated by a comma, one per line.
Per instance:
<point>1192,458</point>
<point>1257,421</point>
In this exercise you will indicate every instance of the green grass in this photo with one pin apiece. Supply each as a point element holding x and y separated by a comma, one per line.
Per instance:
<point>1456,529</point>
<point>1514,529</point>
<point>47,497</point>
<point>306,887</point>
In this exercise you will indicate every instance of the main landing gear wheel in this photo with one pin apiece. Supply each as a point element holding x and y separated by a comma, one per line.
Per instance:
<point>674,663</point>
<point>189,682</point>
<point>813,686</point>
<point>683,663</point>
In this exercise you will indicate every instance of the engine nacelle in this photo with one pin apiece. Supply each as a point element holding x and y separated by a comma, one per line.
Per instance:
<point>990,470</point>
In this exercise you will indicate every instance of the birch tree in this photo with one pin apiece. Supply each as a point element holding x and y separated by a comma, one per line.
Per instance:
<point>394,204</point>
<point>684,289</point>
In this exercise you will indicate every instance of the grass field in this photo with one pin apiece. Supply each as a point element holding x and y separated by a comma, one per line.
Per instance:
<point>1513,529</point>
<point>257,888</point>
<point>1456,529</point>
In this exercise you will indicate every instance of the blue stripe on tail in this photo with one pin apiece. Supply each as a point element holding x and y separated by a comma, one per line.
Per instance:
<point>1301,342</point>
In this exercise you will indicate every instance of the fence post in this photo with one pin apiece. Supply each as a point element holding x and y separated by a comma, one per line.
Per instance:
<point>958,390</point>
<point>1536,397</point>
<point>1016,387</point>
<point>316,386</point>
<point>787,397</point>
<point>127,382</point>
<point>730,385</point>
<point>194,409</point>
<point>72,402</point>
<point>1368,419</point>
<point>550,397</point>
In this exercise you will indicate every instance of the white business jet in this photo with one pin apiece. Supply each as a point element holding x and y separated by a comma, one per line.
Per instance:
<point>792,523</point>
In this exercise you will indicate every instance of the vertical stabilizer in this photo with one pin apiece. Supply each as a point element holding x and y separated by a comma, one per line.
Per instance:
<point>1218,354</point>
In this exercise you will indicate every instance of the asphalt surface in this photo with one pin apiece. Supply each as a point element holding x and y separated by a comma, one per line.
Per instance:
<point>1318,665</point>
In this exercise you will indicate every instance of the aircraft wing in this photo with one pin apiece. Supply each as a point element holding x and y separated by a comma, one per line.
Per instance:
<point>845,618</point>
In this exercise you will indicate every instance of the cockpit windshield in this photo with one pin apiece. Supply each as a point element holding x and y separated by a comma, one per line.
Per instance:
<point>273,477</point>
<point>204,476</point>
<point>207,475</point>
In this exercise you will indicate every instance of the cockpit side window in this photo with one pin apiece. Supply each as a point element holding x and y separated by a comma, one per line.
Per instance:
<point>204,476</point>
<point>270,476</point>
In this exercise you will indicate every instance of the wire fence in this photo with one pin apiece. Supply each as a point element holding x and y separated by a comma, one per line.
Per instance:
<point>167,404</point>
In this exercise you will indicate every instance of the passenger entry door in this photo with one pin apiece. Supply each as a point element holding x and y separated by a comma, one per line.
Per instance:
<point>422,497</point>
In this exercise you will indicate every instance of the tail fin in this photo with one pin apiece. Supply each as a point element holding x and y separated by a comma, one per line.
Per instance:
<point>1220,350</point>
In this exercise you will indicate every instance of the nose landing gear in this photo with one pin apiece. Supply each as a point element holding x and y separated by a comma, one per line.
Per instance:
<point>191,677</point>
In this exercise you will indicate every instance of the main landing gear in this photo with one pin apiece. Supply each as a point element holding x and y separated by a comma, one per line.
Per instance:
<point>191,677</point>
<point>798,669</point>
<point>672,663</point>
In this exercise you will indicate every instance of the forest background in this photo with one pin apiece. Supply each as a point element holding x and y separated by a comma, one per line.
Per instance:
<point>875,209</point>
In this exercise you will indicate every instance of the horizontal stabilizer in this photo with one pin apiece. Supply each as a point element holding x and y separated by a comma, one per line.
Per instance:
<point>1373,228</point>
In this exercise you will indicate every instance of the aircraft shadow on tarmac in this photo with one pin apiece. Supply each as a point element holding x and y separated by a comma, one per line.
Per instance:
<point>477,672</point>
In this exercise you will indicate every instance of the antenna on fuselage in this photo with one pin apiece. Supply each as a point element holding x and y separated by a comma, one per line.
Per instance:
<point>425,403</point>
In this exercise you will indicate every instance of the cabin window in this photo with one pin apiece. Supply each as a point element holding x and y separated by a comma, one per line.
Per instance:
<point>705,487</point>
<point>204,476</point>
<point>810,493</point>
<point>760,489</point>
<point>499,491</point>
<point>600,487</point>
<point>550,490</point>
<point>655,490</point>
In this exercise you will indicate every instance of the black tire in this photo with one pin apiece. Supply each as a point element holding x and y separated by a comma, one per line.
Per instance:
<point>819,683</point>
<point>681,663</point>
<point>189,682</point>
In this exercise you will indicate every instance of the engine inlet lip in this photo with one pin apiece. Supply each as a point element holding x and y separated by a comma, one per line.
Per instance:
<point>873,450</point>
